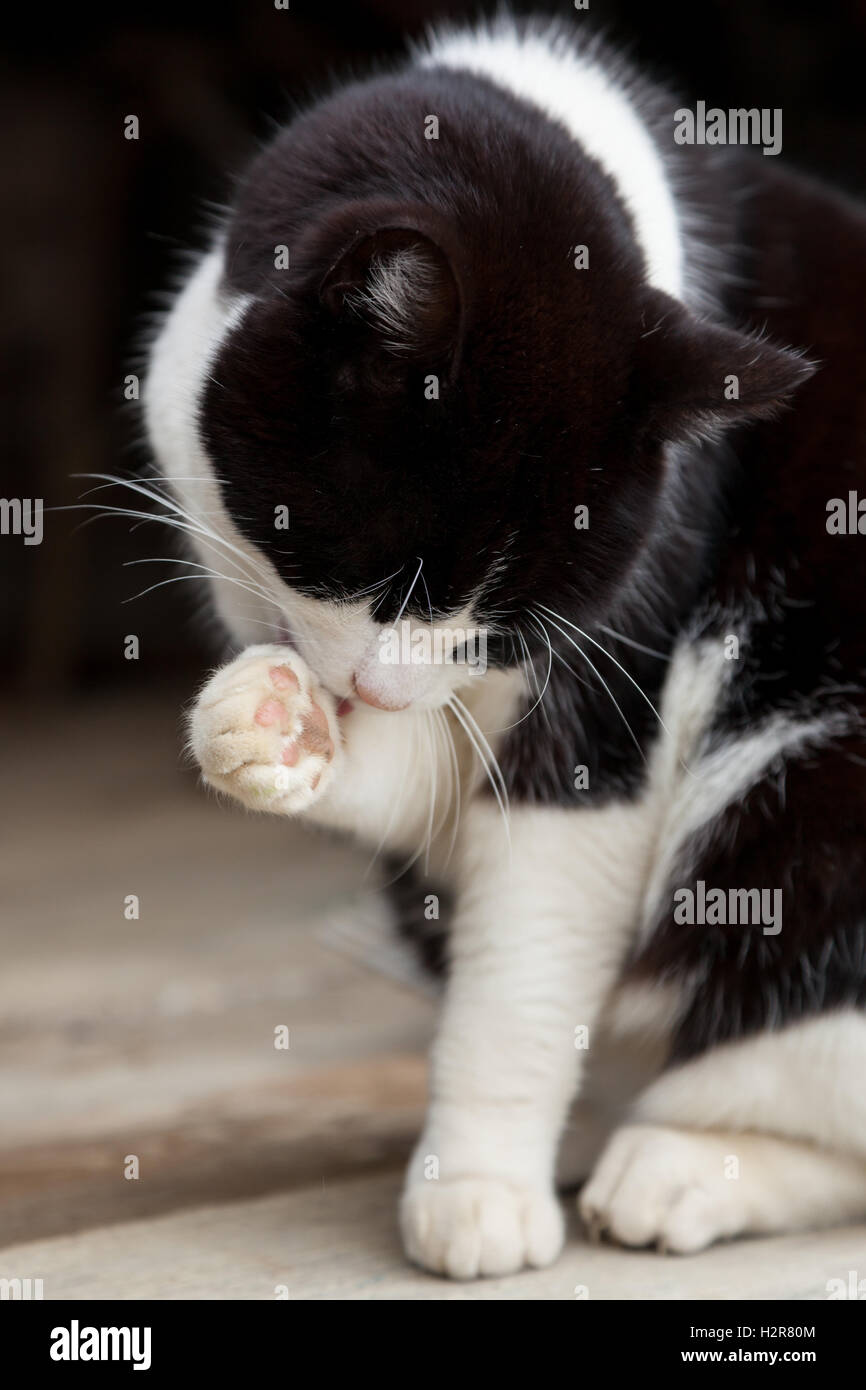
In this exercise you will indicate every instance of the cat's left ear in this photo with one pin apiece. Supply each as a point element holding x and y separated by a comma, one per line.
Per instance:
<point>395,286</point>
<point>696,378</point>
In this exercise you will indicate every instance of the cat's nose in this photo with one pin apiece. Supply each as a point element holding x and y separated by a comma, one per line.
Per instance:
<point>386,678</point>
<point>378,696</point>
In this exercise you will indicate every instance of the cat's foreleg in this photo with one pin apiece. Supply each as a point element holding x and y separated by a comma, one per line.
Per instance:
<point>540,931</point>
<point>264,731</point>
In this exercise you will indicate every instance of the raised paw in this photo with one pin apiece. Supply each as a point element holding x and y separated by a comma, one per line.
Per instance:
<point>265,733</point>
<point>674,1189</point>
<point>468,1227</point>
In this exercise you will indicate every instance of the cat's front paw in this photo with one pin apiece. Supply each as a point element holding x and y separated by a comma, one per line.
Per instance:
<point>480,1226</point>
<point>264,732</point>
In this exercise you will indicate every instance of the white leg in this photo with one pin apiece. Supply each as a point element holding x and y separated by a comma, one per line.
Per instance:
<point>804,1081</point>
<point>764,1134</point>
<point>537,942</point>
<point>684,1189</point>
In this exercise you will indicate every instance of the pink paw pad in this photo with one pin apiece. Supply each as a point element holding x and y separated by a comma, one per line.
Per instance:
<point>316,734</point>
<point>284,678</point>
<point>314,738</point>
<point>270,712</point>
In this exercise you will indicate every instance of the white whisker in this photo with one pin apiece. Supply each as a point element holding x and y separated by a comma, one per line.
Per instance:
<point>207,573</point>
<point>491,768</point>
<point>529,669</point>
<point>194,524</point>
<point>606,653</point>
<point>638,646</point>
<point>454,785</point>
<point>409,595</point>
<point>601,678</point>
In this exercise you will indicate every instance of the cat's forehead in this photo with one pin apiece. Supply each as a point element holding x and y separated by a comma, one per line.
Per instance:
<point>521,195</point>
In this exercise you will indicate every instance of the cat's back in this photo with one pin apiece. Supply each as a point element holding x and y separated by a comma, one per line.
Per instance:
<point>803,283</point>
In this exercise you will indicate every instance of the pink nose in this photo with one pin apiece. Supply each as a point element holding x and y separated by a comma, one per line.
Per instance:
<point>379,699</point>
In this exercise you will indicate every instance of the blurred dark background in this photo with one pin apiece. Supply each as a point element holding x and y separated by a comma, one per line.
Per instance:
<point>96,226</point>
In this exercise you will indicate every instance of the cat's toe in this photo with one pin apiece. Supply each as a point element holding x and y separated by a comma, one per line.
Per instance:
<point>471,1227</point>
<point>662,1187</point>
<point>264,733</point>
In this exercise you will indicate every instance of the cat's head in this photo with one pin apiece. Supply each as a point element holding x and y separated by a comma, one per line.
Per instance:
<point>441,410</point>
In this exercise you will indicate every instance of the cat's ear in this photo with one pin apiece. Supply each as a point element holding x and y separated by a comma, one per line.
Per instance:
<point>696,378</point>
<point>395,290</point>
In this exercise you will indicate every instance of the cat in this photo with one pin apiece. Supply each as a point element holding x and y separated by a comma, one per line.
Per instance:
<point>480,348</point>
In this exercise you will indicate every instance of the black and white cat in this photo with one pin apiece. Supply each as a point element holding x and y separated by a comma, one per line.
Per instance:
<point>513,361</point>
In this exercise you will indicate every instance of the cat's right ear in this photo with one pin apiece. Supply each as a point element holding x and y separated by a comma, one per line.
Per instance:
<point>394,293</point>
<point>697,378</point>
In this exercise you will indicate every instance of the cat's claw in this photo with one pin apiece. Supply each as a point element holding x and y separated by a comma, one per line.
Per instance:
<point>264,732</point>
<point>469,1227</point>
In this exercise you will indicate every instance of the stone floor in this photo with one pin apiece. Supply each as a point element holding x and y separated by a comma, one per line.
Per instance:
<point>148,1042</point>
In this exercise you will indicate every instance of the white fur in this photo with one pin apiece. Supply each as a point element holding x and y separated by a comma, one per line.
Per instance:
<point>409,780</point>
<point>803,1082</point>
<point>683,1189</point>
<point>398,288</point>
<point>576,92</point>
<point>180,358</point>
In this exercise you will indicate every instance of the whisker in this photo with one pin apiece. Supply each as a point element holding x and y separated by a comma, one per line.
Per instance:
<point>455,790</point>
<point>194,523</point>
<point>207,539</point>
<point>428,726</point>
<point>601,678</point>
<point>371,588</point>
<point>638,646</point>
<point>491,768</point>
<point>612,658</point>
<point>207,573</point>
<point>529,668</point>
<point>427,592</point>
<point>409,595</point>
<point>177,579</point>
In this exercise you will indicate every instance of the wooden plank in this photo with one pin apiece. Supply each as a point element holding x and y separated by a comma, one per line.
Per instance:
<point>338,1241</point>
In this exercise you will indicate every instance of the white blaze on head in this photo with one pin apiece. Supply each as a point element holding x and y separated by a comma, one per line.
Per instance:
<point>549,70</point>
